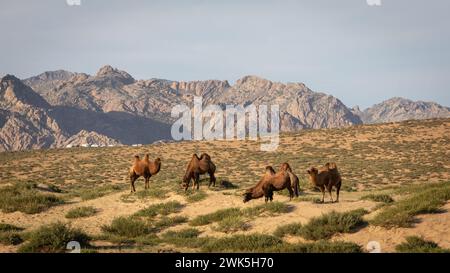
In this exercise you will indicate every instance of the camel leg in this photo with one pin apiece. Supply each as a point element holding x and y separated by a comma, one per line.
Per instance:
<point>147,185</point>
<point>291,193</point>
<point>212,180</point>
<point>329,188</point>
<point>338,188</point>
<point>322,189</point>
<point>133,178</point>
<point>197,180</point>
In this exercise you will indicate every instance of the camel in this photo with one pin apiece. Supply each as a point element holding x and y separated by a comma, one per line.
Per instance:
<point>272,181</point>
<point>196,167</point>
<point>260,189</point>
<point>326,177</point>
<point>144,168</point>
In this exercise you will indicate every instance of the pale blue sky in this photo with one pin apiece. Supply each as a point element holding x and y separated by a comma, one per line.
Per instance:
<point>358,53</point>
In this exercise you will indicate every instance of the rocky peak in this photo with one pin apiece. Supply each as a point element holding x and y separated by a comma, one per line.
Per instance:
<point>108,71</point>
<point>13,92</point>
<point>251,82</point>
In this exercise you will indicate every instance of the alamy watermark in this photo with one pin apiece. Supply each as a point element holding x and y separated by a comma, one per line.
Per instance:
<point>373,2</point>
<point>215,123</point>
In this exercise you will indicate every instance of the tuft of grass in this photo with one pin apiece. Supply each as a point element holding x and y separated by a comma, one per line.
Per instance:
<point>8,227</point>
<point>160,209</point>
<point>232,224</point>
<point>153,192</point>
<point>289,229</point>
<point>81,212</point>
<point>53,238</point>
<point>316,247</point>
<point>10,238</point>
<point>90,194</point>
<point>384,198</point>
<point>271,208</point>
<point>416,244</point>
<point>327,225</point>
<point>166,222</point>
<point>245,243</point>
<point>216,216</point>
<point>26,198</point>
<point>401,213</point>
<point>196,196</point>
<point>128,227</point>
<point>185,238</point>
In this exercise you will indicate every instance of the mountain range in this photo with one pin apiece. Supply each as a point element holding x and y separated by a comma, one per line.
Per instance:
<point>61,108</point>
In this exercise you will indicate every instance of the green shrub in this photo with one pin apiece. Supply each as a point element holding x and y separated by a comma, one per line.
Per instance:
<point>162,209</point>
<point>53,238</point>
<point>26,198</point>
<point>10,238</point>
<point>384,198</point>
<point>401,213</point>
<point>232,224</point>
<point>81,212</point>
<point>416,244</point>
<point>327,225</point>
<point>216,216</point>
<point>128,227</point>
<point>316,247</point>
<point>244,243</point>
<point>289,229</point>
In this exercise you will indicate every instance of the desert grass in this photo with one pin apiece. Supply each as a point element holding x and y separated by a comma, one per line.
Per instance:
<point>414,244</point>
<point>26,198</point>
<point>81,212</point>
<point>53,238</point>
<point>425,199</point>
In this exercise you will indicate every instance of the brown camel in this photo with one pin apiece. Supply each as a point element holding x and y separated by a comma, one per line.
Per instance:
<point>144,168</point>
<point>196,167</point>
<point>259,189</point>
<point>283,179</point>
<point>327,177</point>
<point>272,181</point>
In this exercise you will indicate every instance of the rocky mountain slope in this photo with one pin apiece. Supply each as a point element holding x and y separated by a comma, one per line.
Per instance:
<point>399,109</point>
<point>28,121</point>
<point>60,108</point>
<point>114,90</point>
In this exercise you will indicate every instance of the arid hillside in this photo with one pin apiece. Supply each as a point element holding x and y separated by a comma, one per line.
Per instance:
<point>396,183</point>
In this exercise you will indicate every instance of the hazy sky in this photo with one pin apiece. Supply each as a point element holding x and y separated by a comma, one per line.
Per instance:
<point>362,54</point>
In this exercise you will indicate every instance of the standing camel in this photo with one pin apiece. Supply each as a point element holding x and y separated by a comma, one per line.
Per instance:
<point>144,168</point>
<point>327,177</point>
<point>196,167</point>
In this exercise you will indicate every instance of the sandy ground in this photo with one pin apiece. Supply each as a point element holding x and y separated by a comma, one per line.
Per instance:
<point>434,227</point>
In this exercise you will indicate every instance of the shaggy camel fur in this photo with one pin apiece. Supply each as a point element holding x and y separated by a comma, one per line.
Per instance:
<point>283,179</point>
<point>272,181</point>
<point>196,167</point>
<point>259,189</point>
<point>144,168</point>
<point>327,177</point>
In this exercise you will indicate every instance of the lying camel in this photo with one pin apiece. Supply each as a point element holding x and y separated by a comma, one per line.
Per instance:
<point>144,168</point>
<point>196,167</point>
<point>327,177</point>
<point>260,189</point>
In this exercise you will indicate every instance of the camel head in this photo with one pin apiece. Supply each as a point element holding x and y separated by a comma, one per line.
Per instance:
<point>285,167</point>
<point>312,171</point>
<point>247,196</point>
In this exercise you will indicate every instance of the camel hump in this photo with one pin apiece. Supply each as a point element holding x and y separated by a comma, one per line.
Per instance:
<point>270,169</point>
<point>136,157</point>
<point>147,157</point>
<point>205,156</point>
